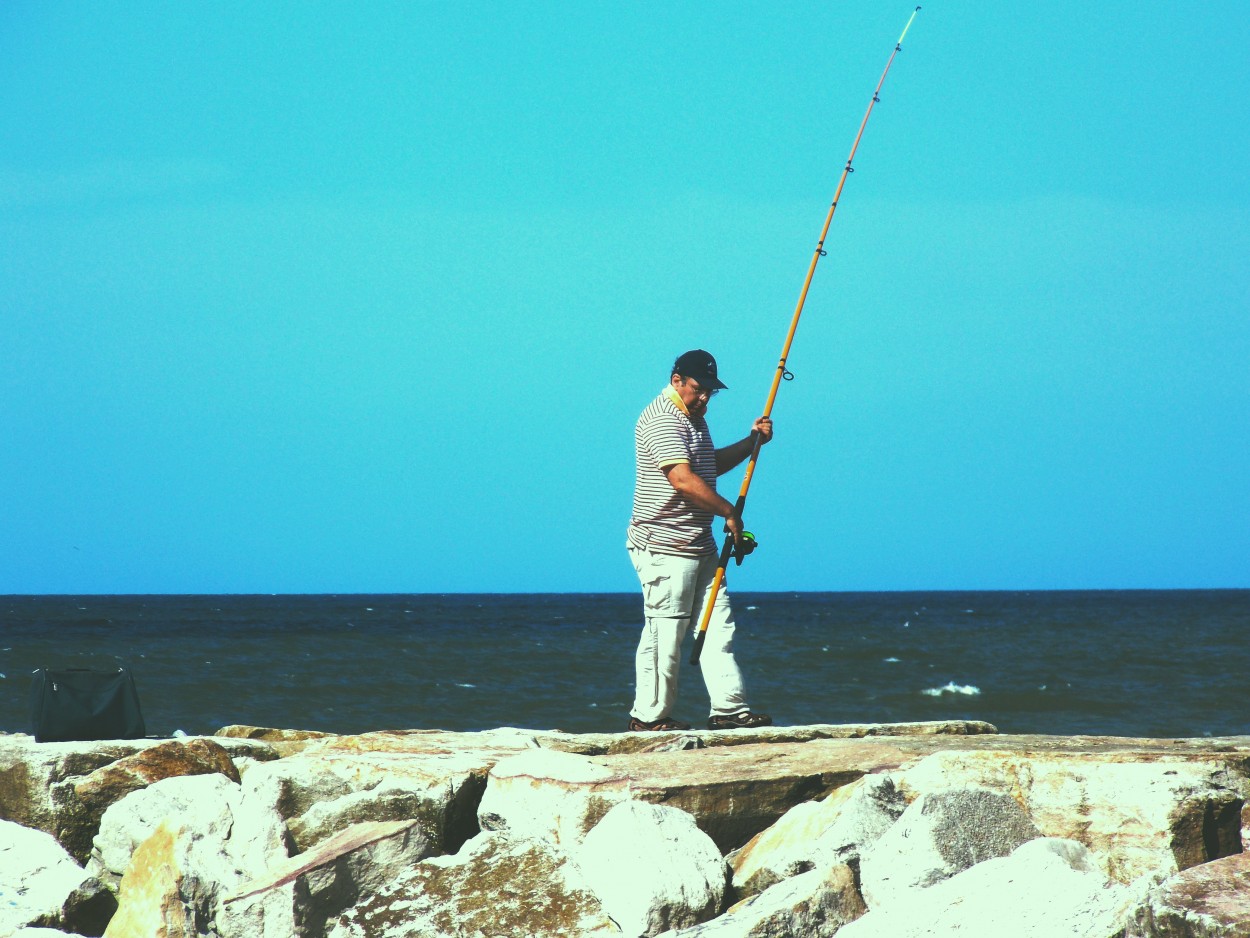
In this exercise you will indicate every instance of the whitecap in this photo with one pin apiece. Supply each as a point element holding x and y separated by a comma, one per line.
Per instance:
<point>752,607</point>
<point>2,676</point>
<point>891,660</point>
<point>466,685</point>
<point>969,690</point>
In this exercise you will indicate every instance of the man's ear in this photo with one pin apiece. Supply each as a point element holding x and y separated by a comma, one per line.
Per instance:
<point>675,380</point>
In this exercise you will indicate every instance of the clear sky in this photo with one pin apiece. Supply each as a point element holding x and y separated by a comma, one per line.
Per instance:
<point>337,297</point>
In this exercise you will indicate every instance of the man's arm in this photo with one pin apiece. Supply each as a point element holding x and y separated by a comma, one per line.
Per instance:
<point>692,488</point>
<point>729,456</point>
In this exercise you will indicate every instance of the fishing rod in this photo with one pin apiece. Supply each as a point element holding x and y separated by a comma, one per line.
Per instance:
<point>782,373</point>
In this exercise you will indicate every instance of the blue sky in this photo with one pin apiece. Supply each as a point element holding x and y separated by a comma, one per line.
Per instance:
<point>328,297</point>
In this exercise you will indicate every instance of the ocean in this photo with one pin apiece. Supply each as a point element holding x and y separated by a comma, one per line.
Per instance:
<point>1171,663</point>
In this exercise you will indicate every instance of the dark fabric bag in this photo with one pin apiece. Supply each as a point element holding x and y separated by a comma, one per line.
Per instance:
<point>77,703</point>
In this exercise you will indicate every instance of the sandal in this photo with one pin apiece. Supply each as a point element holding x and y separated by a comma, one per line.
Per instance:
<point>664,724</point>
<point>744,720</point>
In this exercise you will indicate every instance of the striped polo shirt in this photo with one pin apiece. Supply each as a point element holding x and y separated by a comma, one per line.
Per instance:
<point>663,521</point>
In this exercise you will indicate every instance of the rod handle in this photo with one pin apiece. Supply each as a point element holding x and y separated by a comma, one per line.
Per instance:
<point>698,647</point>
<point>701,635</point>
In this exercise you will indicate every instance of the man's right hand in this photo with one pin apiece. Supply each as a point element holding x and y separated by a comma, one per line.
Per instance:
<point>742,545</point>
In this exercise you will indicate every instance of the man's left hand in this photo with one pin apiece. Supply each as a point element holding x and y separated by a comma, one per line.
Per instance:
<point>764,427</point>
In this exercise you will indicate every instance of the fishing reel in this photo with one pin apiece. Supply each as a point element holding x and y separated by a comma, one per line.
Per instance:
<point>741,550</point>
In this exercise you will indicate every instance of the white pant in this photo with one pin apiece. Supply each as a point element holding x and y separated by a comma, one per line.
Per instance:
<point>674,590</point>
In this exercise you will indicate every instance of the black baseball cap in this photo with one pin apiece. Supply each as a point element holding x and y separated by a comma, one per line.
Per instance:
<point>699,365</point>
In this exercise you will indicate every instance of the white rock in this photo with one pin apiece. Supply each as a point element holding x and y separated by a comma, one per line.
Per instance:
<point>495,886</point>
<point>36,876</point>
<point>551,795</point>
<point>204,802</point>
<point>1048,888</point>
<point>652,868</point>
<point>173,888</point>
<point>336,873</point>
<point>1140,813</point>
<point>333,783</point>
<point>940,834</point>
<point>818,834</point>
<point>814,904</point>
<point>212,840</point>
<point>1207,901</point>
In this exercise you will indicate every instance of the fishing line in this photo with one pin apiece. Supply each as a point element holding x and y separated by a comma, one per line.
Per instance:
<point>782,373</point>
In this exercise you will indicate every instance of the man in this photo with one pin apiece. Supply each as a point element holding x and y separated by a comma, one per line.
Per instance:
<point>671,545</point>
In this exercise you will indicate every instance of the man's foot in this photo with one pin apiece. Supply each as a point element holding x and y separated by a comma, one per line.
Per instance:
<point>666,724</point>
<point>744,720</point>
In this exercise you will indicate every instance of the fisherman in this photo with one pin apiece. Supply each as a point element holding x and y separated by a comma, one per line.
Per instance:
<point>671,545</point>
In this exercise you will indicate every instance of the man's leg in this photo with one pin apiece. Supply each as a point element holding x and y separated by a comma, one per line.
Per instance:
<point>657,667</point>
<point>720,670</point>
<point>667,589</point>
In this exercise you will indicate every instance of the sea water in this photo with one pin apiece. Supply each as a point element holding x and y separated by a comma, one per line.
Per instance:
<point>1129,663</point>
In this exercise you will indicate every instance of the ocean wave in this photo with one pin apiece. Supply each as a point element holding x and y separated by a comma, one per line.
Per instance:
<point>970,690</point>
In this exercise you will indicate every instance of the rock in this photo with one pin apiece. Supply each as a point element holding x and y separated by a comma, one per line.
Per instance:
<point>269,734</point>
<point>174,886</point>
<point>211,806</point>
<point>496,885</point>
<point>740,785</point>
<point>785,849</point>
<point>436,778</point>
<point>676,743</point>
<point>151,904</point>
<point>205,838</point>
<point>814,904</point>
<point>1207,901</point>
<point>549,795</point>
<point>653,869</point>
<point>734,792</point>
<point>445,808</point>
<point>282,742</point>
<point>1142,805</point>
<point>1047,888</point>
<point>36,877</point>
<point>89,909</point>
<point>36,779</point>
<point>1139,812</point>
<point>94,793</point>
<point>336,873</point>
<point>818,834</point>
<point>595,744</point>
<point>940,834</point>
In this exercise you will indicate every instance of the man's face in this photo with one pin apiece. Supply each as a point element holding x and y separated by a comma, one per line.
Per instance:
<point>693,395</point>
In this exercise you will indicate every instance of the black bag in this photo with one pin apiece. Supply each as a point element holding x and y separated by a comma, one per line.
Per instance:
<point>77,704</point>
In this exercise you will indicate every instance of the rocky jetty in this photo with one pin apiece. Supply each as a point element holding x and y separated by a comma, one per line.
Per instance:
<point>863,831</point>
